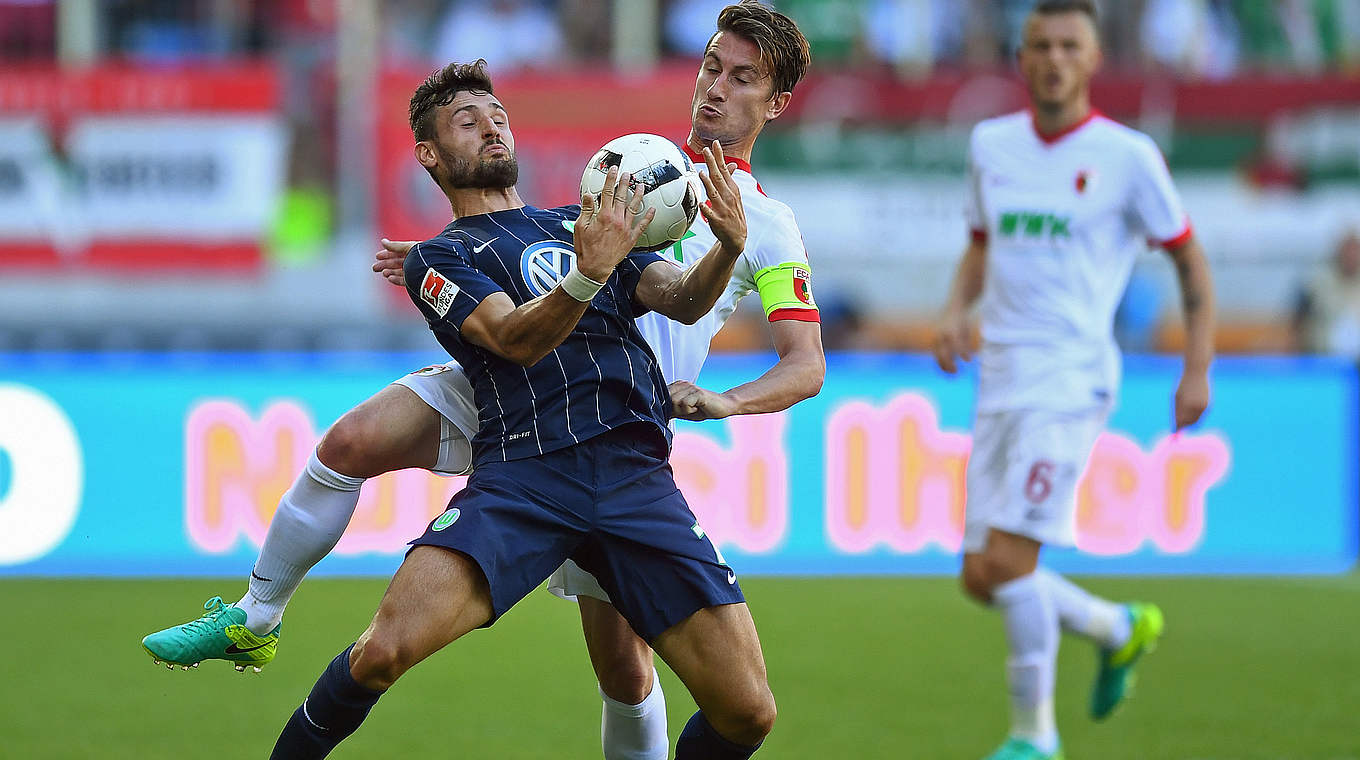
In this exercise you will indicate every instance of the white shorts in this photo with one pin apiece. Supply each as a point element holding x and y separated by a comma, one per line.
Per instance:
<point>1023,472</point>
<point>446,389</point>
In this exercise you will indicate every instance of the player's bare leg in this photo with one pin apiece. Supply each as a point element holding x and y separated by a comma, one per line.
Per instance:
<point>392,430</point>
<point>436,596</point>
<point>633,720</point>
<point>716,653</point>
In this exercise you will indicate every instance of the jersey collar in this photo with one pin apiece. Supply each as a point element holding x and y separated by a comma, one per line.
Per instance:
<point>1053,137</point>
<point>698,158</point>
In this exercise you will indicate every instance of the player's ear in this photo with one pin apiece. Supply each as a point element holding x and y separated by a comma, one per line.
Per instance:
<point>777,105</point>
<point>425,155</point>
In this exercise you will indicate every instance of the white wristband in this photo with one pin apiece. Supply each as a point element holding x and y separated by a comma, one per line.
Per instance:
<point>579,286</point>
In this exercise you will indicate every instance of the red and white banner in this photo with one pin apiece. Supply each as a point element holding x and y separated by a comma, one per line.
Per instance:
<point>119,168</point>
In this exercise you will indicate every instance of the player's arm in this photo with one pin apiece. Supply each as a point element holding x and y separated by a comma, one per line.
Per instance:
<point>1157,205</point>
<point>798,375</point>
<point>687,295</point>
<point>602,237</point>
<point>953,333</point>
<point>1197,303</point>
<point>604,234</point>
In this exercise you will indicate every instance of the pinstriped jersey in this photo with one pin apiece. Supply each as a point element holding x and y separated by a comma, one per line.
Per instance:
<point>601,377</point>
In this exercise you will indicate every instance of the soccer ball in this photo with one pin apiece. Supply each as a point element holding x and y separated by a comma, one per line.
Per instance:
<point>668,178</point>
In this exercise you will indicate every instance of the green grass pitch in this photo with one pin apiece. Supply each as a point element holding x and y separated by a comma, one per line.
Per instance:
<point>1250,668</point>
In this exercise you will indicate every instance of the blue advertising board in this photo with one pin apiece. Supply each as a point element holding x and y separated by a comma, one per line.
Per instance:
<point>130,465</point>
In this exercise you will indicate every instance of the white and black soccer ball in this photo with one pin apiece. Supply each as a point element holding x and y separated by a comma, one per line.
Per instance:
<point>670,182</point>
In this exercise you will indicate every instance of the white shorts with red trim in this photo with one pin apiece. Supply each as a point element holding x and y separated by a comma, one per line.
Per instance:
<point>1023,473</point>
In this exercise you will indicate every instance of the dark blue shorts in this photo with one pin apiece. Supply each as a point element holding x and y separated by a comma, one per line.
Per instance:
<point>610,503</point>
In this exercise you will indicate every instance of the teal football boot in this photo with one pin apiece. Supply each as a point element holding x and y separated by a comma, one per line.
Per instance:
<point>1019,749</point>
<point>220,634</point>
<point>1115,678</point>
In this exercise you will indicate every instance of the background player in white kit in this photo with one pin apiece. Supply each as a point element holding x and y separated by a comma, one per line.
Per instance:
<point>1061,201</point>
<point>426,419</point>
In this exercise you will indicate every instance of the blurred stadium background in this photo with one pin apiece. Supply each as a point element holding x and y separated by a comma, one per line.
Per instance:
<point>190,195</point>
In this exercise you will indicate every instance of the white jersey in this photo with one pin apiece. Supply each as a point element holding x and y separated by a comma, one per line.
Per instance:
<point>774,263</point>
<point>1064,217</point>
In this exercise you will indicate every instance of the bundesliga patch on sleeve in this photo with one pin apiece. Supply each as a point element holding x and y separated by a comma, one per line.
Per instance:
<point>438,292</point>
<point>786,292</point>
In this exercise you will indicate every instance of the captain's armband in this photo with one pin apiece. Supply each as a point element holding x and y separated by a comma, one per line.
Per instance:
<point>786,292</point>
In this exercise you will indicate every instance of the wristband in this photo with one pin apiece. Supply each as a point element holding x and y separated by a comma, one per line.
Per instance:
<point>579,286</point>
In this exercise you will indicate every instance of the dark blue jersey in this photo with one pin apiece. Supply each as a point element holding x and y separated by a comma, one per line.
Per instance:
<point>601,377</point>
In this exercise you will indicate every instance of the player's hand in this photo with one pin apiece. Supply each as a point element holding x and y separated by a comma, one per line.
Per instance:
<point>690,402</point>
<point>723,210</point>
<point>953,338</point>
<point>388,260</point>
<point>609,227</point>
<point>1192,398</point>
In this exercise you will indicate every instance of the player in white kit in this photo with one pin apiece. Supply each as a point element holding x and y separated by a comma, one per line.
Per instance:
<point>1061,200</point>
<point>426,418</point>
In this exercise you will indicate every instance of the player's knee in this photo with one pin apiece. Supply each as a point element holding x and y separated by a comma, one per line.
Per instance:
<point>627,679</point>
<point>379,660</point>
<point>750,722</point>
<point>975,582</point>
<point>353,446</point>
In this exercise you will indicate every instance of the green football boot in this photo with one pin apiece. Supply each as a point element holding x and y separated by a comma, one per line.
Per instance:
<point>221,634</point>
<point>1019,749</point>
<point>1114,681</point>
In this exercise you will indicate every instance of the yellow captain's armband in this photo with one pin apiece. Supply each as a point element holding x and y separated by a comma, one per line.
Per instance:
<point>786,292</point>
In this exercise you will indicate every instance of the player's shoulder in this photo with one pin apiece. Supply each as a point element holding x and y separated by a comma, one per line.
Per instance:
<point>568,213</point>
<point>1003,129</point>
<point>1121,137</point>
<point>757,201</point>
<point>452,241</point>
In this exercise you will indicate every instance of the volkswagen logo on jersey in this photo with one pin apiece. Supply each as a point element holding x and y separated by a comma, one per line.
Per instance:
<point>544,265</point>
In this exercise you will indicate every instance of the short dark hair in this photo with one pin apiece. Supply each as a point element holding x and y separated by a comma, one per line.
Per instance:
<point>782,45</point>
<point>1054,7</point>
<point>439,89</point>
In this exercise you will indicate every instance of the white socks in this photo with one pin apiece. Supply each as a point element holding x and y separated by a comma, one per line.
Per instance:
<point>312,516</point>
<point>635,732</point>
<point>1031,621</point>
<point>1080,612</point>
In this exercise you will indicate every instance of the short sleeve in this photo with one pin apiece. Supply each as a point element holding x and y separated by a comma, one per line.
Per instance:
<point>1156,206</point>
<point>783,276</point>
<point>629,272</point>
<point>443,283</point>
<point>973,213</point>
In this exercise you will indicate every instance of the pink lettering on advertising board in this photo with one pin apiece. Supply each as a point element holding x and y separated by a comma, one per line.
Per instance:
<point>237,468</point>
<point>739,492</point>
<point>895,479</point>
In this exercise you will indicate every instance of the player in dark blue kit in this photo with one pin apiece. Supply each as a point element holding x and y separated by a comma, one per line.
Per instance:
<point>570,458</point>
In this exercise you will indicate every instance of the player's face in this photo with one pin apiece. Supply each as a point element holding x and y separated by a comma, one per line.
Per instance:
<point>1059,55</point>
<point>733,96</point>
<point>473,143</point>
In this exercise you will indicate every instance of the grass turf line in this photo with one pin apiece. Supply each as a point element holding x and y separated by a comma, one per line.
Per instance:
<point>1250,669</point>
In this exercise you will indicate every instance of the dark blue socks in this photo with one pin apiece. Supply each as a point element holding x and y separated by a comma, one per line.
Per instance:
<point>700,742</point>
<point>334,709</point>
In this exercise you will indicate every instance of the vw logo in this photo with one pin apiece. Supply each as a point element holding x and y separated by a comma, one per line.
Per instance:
<point>545,264</point>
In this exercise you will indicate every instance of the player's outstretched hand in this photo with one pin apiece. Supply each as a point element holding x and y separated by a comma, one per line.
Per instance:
<point>690,402</point>
<point>953,339</point>
<point>388,260</point>
<point>723,210</point>
<point>1192,398</point>
<point>609,226</point>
